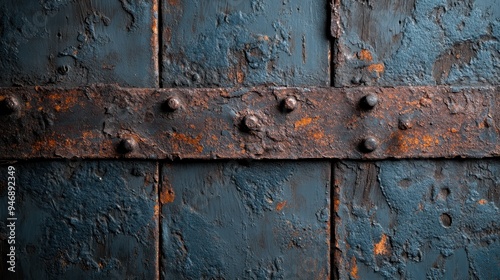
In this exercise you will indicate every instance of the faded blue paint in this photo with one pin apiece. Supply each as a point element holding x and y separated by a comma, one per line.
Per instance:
<point>406,201</point>
<point>420,42</point>
<point>227,43</point>
<point>257,220</point>
<point>68,43</point>
<point>82,220</point>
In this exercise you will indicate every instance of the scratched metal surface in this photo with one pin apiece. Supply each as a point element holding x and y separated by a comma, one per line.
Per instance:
<point>83,220</point>
<point>237,42</point>
<point>245,220</point>
<point>417,42</point>
<point>417,219</point>
<point>73,43</point>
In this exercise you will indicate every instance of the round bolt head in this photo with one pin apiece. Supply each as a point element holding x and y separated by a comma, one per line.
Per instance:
<point>369,144</point>
<point>127,145</point>
<point>173,103</point>
<point>290,103</point>
<point>404,124</point>
<point>9,106</point>
<point>251,122</point>
<point>369,101</point>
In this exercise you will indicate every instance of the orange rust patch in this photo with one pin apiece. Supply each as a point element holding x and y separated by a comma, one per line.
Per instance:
<point>44,145</point>
<point>377,68</point>
<point>482,201</point>
<point>407,142</point>
<point>365,55</point>
<point>336,204</point>
<point>167,195</point>
<point>453,130</point>
<point>304,122</point>
<point>429,141</point>
<point>354,268</point>
<point>381,247</point>
<point>240,75</point>
<point>195,142</point>
<point>318,135</point>
<point>280,205</point>
<point>63,103</point>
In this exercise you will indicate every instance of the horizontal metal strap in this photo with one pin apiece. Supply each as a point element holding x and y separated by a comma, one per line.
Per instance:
<point>106,121</point>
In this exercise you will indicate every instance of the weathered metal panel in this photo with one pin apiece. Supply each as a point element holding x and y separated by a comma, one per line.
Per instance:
<point>253,220</point>
<point>82,220</point>
<point>405,122</point>
<point>416,42</point>
<point>417,219</point>
<point>73,43</point>
<point>235,42</point>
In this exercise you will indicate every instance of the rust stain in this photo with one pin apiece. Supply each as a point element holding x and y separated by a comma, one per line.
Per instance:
<point>173,2</point>
<point>380,248</point>
<point>63,103</point>
<point>453,130</point>
<point>44,145</point>
<point>280,205</point>
<point>365,55</point>
<point>318,135</point>
<point>482,201</point>
<point>408,142</point>
<point>354,268</point>
<point>195,142</point>
<point>377,68</point>
<point>154,37</point>
<point>336,204</point>
<point>167,195</point>
<point>304,122</point>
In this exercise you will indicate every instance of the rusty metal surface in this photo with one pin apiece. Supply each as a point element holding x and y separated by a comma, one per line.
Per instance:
<point>281,123</point>
<point>73,43</point>
<point>417,219</point>
<point>228,43</point>
<point>82,220</point>
<point>250,220</point>
<point>416,42</point>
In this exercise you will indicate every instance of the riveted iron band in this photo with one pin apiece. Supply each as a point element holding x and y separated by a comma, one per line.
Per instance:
<point>235,123</point>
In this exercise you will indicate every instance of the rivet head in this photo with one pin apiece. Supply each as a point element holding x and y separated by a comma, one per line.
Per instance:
<point>251,122</point>
<point>172,103</point>
<point>289,103</point>
<point>9,106</point>
<point>404,123</point>
<point>369,144</point>
<point>369,101</point>
<point>127,145</point>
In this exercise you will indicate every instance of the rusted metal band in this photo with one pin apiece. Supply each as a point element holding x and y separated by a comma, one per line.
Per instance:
<point>262,123</point>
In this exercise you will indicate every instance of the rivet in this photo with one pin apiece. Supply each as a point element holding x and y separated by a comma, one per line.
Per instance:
<point>195,77</point>
<point>9,106</point>
<point>369,144</point>
<point>127,145</point>
<point>251,122</point>
<point>172,103</point>
<point>369,101</point>
<point>404,123</point>
<point>289,103</point>
<point>63,70</point>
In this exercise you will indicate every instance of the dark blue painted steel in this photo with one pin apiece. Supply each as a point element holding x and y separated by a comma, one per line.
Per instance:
<point>72,43</point>
<point>418,219</point>
<point>236,42</point>
<point>418,42</point>
<point>82,220</point>
<point>257,220</point>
